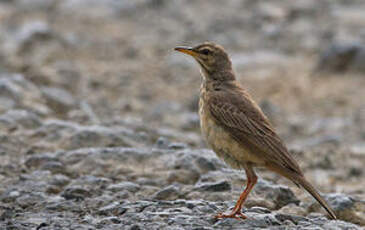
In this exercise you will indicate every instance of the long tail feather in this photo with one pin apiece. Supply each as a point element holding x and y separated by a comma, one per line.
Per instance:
<point>307,186</point>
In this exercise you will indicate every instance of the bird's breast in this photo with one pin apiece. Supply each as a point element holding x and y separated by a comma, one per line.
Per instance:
<point>220,140</point>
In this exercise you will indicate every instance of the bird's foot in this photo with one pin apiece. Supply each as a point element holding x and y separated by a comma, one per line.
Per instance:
<point>237,215</point>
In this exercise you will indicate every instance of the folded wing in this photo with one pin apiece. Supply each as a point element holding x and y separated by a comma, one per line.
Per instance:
<point>244,120</point>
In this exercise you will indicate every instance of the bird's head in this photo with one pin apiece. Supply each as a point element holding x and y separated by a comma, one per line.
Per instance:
<point>211,57</point>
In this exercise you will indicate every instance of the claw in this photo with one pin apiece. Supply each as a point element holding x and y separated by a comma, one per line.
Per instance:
<point>236,215</point>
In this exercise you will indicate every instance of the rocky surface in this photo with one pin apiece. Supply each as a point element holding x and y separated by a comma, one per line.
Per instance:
<point>88,185</point>
<point>137,188</point>
<point>99,125</point>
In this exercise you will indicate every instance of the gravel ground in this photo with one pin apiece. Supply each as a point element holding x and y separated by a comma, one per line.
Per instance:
<point>98,116</point>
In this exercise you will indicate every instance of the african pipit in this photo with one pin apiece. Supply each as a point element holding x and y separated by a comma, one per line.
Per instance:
<point>236,129</point>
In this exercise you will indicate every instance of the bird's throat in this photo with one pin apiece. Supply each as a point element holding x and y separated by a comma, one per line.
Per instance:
<point>204,74</point>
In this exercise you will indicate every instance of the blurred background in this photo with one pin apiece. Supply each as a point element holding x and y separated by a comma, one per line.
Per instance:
<point>104,64</point>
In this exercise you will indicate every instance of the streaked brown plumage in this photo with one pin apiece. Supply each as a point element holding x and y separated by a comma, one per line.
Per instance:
<point>235,127</point>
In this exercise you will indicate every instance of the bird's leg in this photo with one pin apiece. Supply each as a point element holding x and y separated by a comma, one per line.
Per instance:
<point>236,212</point>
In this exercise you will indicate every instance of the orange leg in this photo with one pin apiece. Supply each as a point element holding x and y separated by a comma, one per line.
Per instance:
<point>236,212</point>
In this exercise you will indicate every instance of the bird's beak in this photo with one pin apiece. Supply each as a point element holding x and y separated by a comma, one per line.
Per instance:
<point>187,50</point>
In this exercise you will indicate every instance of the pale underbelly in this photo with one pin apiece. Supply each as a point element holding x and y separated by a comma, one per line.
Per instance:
<point>229,150</point>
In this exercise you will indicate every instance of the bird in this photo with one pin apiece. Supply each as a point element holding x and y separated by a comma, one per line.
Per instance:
<point>237,130</point>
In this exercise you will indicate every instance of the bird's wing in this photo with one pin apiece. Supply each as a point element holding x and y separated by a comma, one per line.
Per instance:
<point>244,120</point>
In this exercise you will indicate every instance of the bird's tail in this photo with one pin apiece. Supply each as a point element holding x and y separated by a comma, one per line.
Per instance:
<point>307,186</point>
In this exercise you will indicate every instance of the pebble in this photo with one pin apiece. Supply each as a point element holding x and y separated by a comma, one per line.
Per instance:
<point>219,186</point>
<point>168,193</point>
<point>128,186</point>
<point>76,192</point>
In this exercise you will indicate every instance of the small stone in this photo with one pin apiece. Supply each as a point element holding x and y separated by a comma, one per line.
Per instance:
<point>279,194</point>
<point>52,189</point>
<point>293,209</point>
<point>259,210</point>
<point>94,181</point>
<point>60,180</point>
<point>260,202</point>
<point>147,181</point>
<point>183,176</point>
<point>36,161</point>
<point>292,218</point>
<point>58,99</point>
<point>64,205</point>
<point>176,146</point>
<point>205,164</point>
<point>54,167</point>
<point>112,209</point>
<point>135,227</point>
<point>340,202</point>
<point>109,220</point>
<point>10,196</point>
<point>76,192</point>
<point>219,186</point>
<point>128,186</point>
<point>168,193</point>
<point>28,200</point>
<point>162,143</point>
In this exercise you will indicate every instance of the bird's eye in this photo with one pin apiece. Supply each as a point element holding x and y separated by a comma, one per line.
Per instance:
<point>205,51</point>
